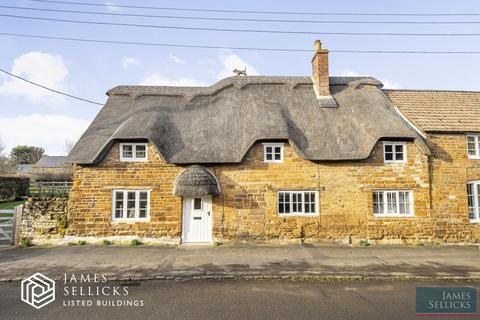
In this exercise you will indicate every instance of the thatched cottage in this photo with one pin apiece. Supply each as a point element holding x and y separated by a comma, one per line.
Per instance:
<point>260,157</point>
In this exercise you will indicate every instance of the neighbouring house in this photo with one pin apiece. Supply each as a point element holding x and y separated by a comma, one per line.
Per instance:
<point>23,169</point>
<point>255,157</point>
<point>51,166</point>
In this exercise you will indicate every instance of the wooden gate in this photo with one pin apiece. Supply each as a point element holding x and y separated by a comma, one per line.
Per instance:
<point>7,222</point>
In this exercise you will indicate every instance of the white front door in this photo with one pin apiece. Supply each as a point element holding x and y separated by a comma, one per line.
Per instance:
<point>197,219</point>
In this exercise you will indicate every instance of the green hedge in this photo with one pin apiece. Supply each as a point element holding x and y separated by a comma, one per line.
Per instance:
<point>12,188</point>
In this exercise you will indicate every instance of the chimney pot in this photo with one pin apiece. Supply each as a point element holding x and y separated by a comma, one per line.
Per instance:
<point>320,75</point>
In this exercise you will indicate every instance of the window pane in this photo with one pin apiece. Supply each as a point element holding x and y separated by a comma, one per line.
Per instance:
<point>287,202</point>
<point>294,202</point>
<point>268,156</point>
<point>478,201</point>
<point>281,202</point>
<point>143,204</point>
<point>278,150</point>
<point>391,202</point>
<point>309,202</point>
<point>278,156</point>
<point>131,204</point>
<point>403,202</point>
<point>399,152</point>
<point>388,148</point>
<point>127,151</point>
<point>140,151</point>
<point>378,202</point>
<point>118,204</point>
<point>471,145</point>
<point>388,156</point>
<point>471,200</point>
<point>197,204</point>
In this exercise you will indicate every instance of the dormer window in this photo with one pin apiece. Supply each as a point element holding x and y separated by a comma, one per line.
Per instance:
<point>273,152</point>
<point>473,146</point>
<point>133,152</point>
<point>394,152</point>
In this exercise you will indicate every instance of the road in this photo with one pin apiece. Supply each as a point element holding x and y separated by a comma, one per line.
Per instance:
<point>236,299</point>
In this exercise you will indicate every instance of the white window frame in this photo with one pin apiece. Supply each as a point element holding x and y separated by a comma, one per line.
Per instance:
<point>302,212</point>
<point>394,144</point>
<point>137,205</point>
<point>476,201</point>
<point>397,201</point>
<point>134,152</point>
<point>476,138</point>
<point>273,146</point>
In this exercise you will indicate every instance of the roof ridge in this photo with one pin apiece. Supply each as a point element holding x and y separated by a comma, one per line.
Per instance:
<point>432,90</point>
<point>238,81</point>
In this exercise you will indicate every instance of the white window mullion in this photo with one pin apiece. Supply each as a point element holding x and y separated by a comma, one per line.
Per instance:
<point>303,202</point>
<point>125,201</point>
<point>397,196</point>
<point>475,200</point>
<point>137,204</point>
<point>477,146</point>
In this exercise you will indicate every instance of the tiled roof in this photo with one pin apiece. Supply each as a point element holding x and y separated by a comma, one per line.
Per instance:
<point>51,162</point>
<point>450,111</point>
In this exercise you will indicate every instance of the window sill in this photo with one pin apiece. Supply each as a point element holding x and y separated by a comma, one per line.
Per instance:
<point>473,157</point>
<point>475,221</point>
<point>129,221</point>
<point>393,215</point>
<point>297,215</point>
<point>394,162</point>
<point>130,160</point>
<point>273,161</point>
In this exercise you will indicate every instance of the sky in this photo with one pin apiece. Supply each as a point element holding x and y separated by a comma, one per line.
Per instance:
<point>33,116</point>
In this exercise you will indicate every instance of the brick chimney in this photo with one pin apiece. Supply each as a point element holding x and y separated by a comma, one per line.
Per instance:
<point>320,79</point>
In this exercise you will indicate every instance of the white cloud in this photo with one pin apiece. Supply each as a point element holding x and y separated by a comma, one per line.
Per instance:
<point>43,68</point>
<point>112,7</point>
<point>157,79</point>
<point>47,131</point>
<point>176,59</point>
<point>231,61</point>
<point>129,61</point>
<point>387,84</point>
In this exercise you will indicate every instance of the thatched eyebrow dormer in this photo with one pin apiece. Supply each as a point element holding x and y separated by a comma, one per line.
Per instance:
<point>196,181</point>
<point>218,124</point>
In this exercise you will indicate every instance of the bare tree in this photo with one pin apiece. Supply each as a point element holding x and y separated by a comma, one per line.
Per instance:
<point>69,144</point>
<point>2,147</point>
<point>7,165</point>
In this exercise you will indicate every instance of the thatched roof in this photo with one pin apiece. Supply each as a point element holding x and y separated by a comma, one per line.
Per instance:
<point>218,124</point>
<point>196,181</point>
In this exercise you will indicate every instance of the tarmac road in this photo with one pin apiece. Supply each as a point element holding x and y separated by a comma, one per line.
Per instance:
<point>229,299</point>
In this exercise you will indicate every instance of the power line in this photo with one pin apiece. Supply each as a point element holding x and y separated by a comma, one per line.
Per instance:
<point>233,19</point>
<point>239,30</point>
<point>258,12</point>
<point>229,47</point>
<point>50,89</point>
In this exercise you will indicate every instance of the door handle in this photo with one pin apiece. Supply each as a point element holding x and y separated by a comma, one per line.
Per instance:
<point>208,213</point>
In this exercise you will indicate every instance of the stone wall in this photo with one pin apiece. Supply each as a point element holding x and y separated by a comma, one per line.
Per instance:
<point>246,207</point>
<point>44,219</point>
<point>451,170</point>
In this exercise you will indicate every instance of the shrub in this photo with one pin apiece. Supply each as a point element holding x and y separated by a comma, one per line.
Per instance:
<point>82,242</point>
<point>135,242</point>
<point>107,242</point>
<point>71,244</point>
<point>12,188</point>
<point>364,243</point>
<point>25,242</point>
<point>51,177</point>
